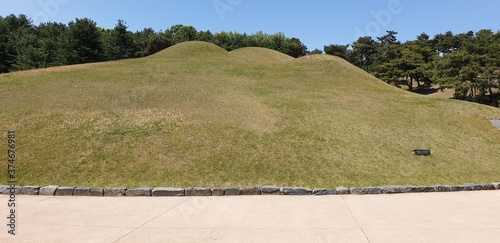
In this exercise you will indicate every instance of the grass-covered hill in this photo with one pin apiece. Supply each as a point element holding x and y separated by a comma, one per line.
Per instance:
<point>196,115</point>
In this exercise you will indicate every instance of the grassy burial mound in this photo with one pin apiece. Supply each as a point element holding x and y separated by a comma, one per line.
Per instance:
<point>196,115</point>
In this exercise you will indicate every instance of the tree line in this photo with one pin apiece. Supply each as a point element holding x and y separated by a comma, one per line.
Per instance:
<point>467,62</point>
<point>24,45</point>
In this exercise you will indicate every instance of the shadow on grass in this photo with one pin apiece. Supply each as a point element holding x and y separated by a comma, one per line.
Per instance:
<point>426,89</point>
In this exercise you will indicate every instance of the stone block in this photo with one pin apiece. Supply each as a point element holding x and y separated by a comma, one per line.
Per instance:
<point>48,190</point>
<point>115,192</point>
<point>365,190</point>
<point>270,190</point>
<point>489,187</point>
<point>250,191</point>
<point>65,191</point>
<point>457,188</point>
<point>232,191</point>
<point>393,189</point>
<point>4,189</point>
<point>440,188</point>
<point>496,185</point>
<point>473,187</point>
<point>198,192</point>
<point>296,191</point>
<point>30,190</point>
<point>217,192</point>
<point>167,192</point>
<point>81,191</point>
<point>139,192</point>
<point>324,191</point>
<point>96,192</point>
<point>342,191</point>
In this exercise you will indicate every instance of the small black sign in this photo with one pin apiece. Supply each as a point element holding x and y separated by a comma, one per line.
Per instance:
<point>422,152</point>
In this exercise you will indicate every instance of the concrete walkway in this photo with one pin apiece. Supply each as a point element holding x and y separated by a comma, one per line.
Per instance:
<point>425,217</point>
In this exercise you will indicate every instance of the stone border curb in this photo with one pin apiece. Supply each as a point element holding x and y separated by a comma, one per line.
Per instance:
<point>56,190</point>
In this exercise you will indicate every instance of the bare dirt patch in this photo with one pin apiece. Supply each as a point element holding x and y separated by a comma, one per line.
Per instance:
<point>496,123</point>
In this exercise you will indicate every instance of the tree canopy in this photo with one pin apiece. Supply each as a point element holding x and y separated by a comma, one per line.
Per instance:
<point>26,46</point>
<point>468,62</point>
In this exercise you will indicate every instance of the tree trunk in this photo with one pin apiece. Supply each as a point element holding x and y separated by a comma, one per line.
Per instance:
<point>411,84</point>
<point>492,97</point>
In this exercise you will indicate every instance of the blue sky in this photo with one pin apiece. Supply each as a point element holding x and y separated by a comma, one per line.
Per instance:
<point>316,23</point>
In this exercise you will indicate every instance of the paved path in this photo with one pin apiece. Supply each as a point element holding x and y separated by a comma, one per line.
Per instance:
<point>429,217</point>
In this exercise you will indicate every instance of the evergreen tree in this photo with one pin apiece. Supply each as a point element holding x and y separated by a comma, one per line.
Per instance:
<point>7,48</point>
<point>316,52</point>
<point>364,52</point>
<point>52,41</point>
<point>149,42</point>
<point>338,50</point>
<point>85,44</point>
<point>123,42</point>
<point>294,47</point>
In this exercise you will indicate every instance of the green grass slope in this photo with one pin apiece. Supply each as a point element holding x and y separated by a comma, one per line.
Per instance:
<point>196,115</point>
<point>260,55</point>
